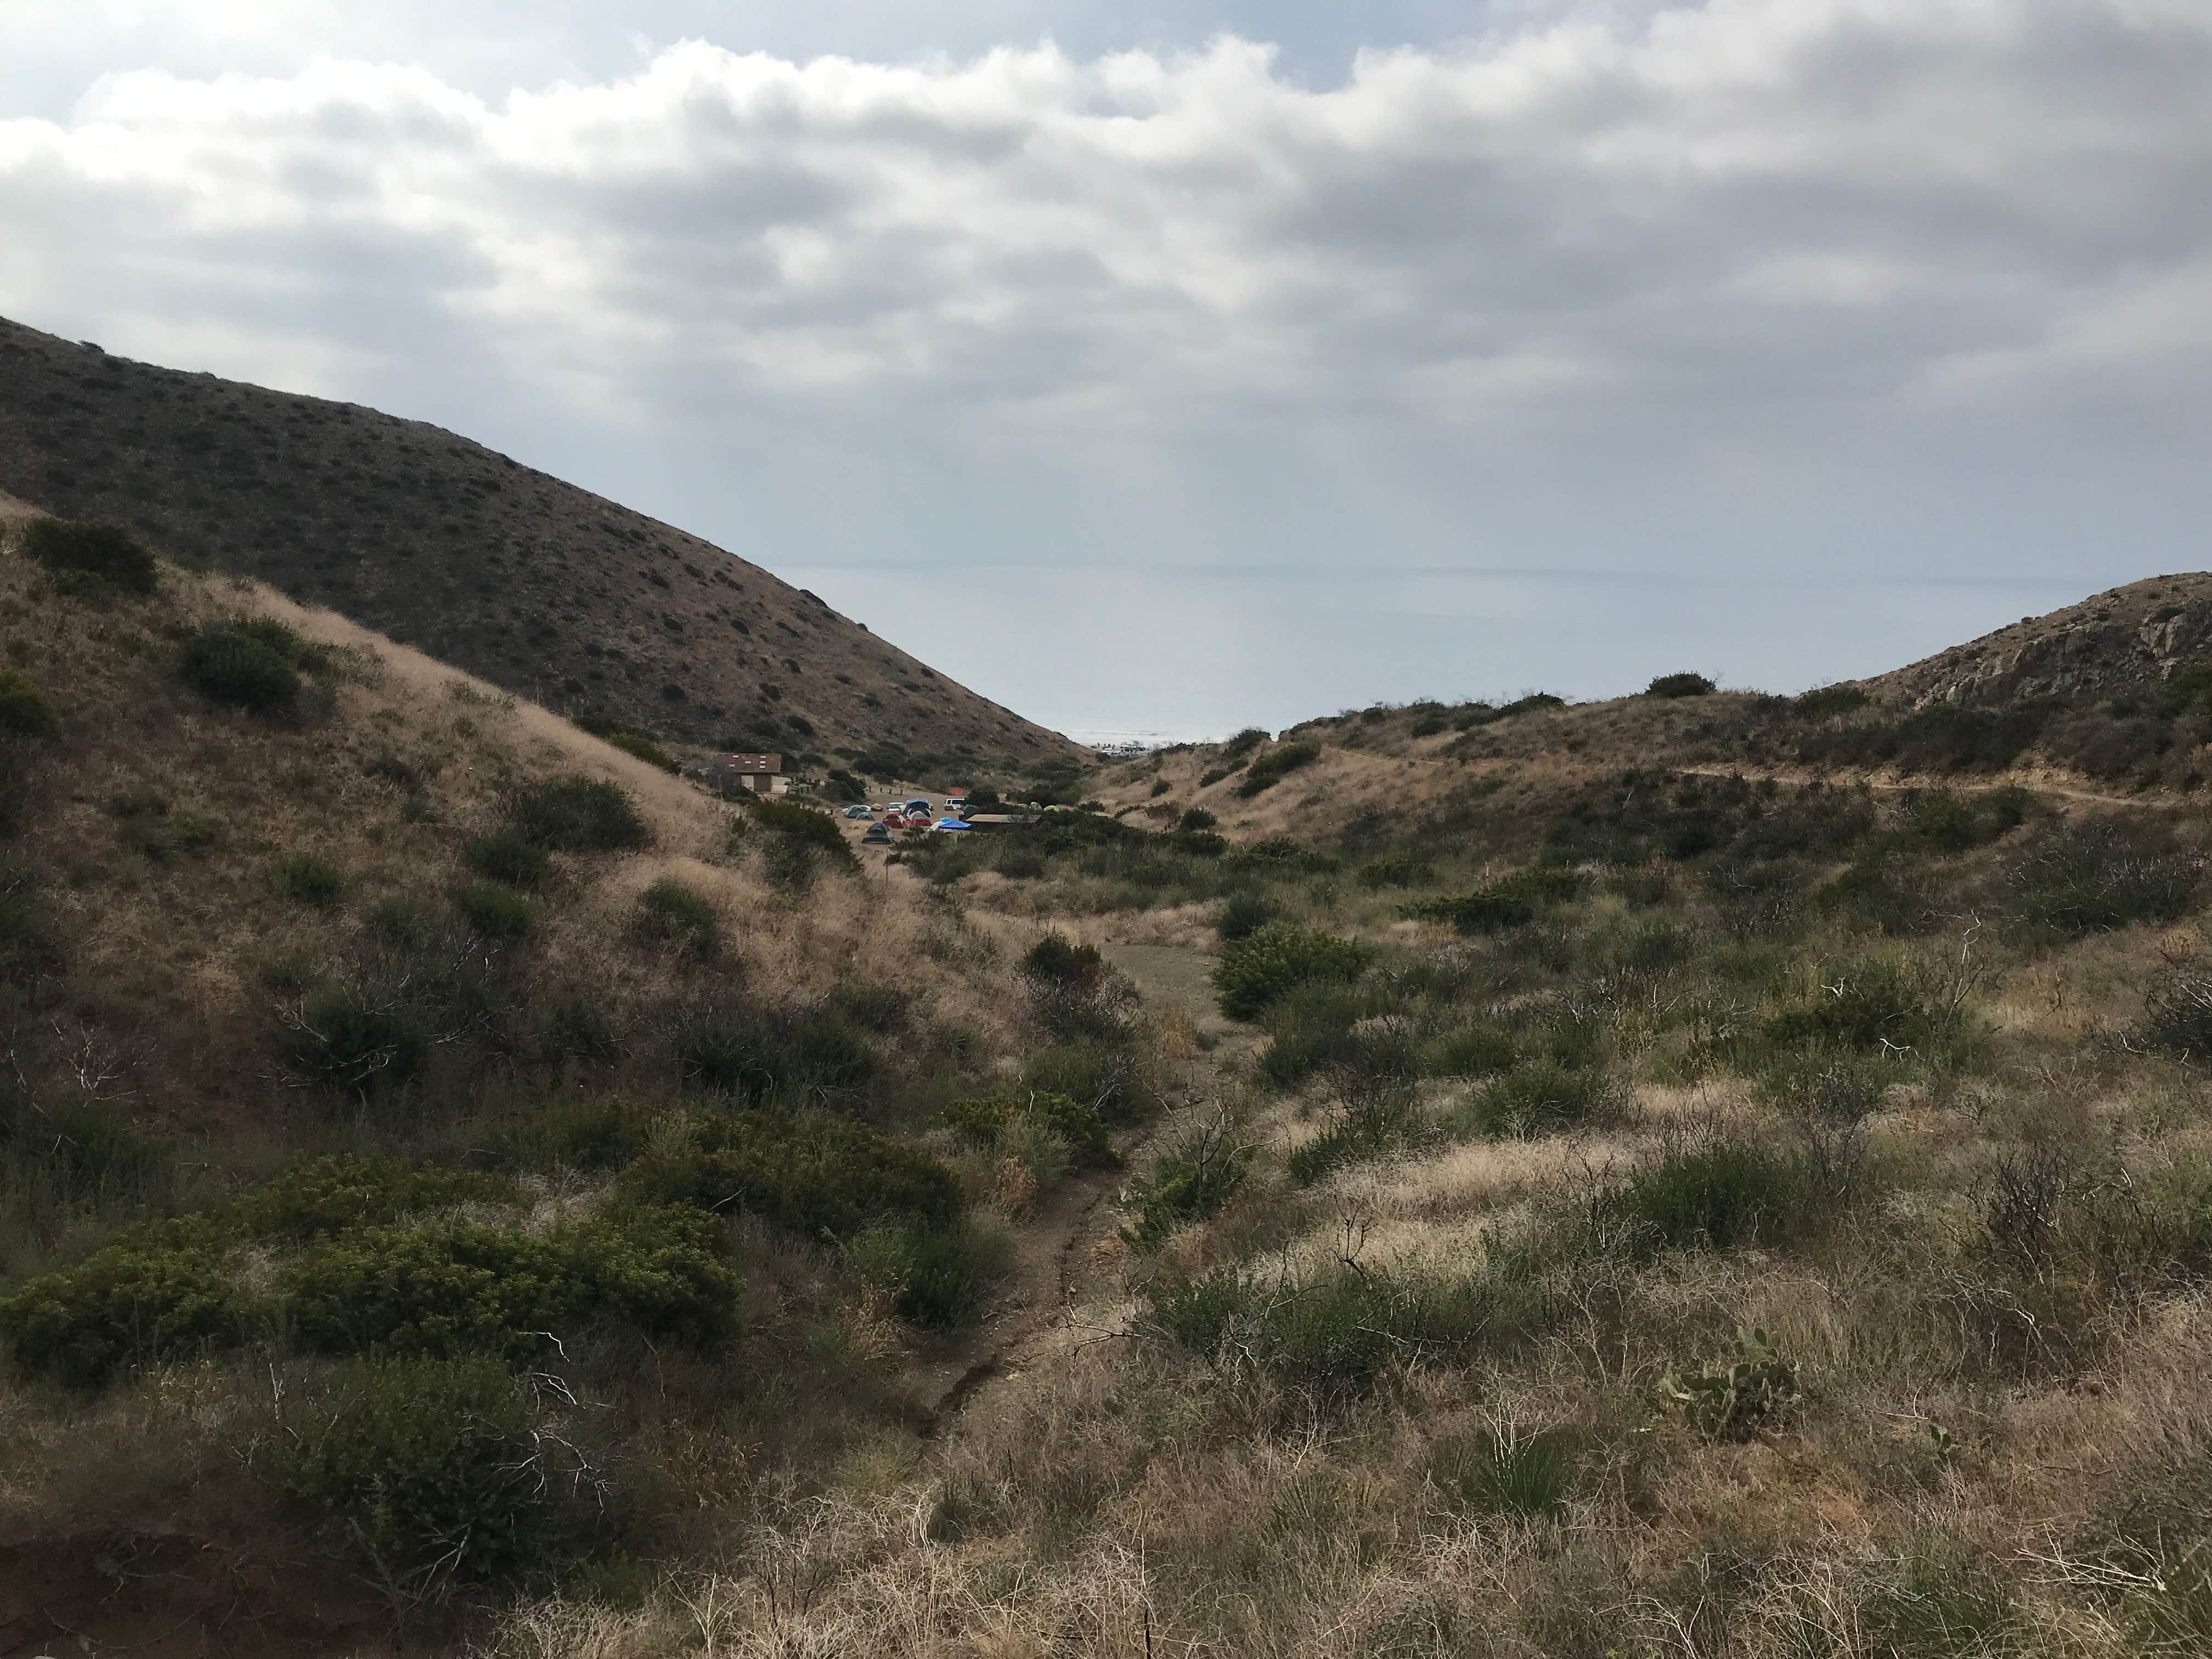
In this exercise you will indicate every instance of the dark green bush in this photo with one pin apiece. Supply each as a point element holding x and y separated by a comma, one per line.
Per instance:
<point>161,1292</point>
<point>26,711</point>
<point>1243,743</point>
<point>107,552</point>
<point>1334,1329</point>
<point>1536,1096</point>
<point>400,923</point>
<point>1185,1185</point>
<point>939,1276</point>
<point>449,1287</point>
<point>304,878</point>
<point>1277,763</point>
<point>437,1473</point>
<point>1398,870</point>
<point>1378,1116</point>
<point>1243,914</point>
<point>491,911</point>
<point>577,815</point>
<point>1056,961</point>
<point>1716,1197</point>
<point>644,748</point>
<point>796,840</point>
<point>333,1194</point>
<point>1681,685</point>
<point>826,1049</point>
<point>1823,701</point>
<point>2090,877</point>
<point>728,1050</point>
<point>985,1119</point>
<point>353,1037</point>
<point>1197,818</point>
<point>669,910</point>
<point>1474,1047</point>
<point>1255,971</point>
<point>1103,1075</point>
<point>812,1174</point>
<point>505,856</point>
<point>253,664</point>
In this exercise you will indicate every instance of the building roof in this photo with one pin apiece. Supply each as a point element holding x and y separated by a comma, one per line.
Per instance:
<point>749,762</point>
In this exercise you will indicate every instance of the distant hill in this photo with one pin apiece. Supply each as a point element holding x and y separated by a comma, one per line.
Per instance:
<point>2114,693</point>
<point>543,588</point>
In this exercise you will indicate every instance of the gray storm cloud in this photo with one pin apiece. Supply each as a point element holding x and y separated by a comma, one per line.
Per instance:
<point>1759,293</point>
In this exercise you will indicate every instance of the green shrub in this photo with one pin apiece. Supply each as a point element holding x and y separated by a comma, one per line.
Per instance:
<point>1243,914</point>
<point>107,552</point>
<point>938,1277</point>
<point>727,1050</point>
<point>644,748</point>
<point>577,815</point>
<point>160,1292</point>
<point>1681,685</point>
<point>493,912</point>
<point>446,1287</point>
<point>350,1036</point>
<point>1255,971</point>
<point>986,1119</point>
<point>26,711</point>
<point>815,1175</point>
<point>1186,1185</point>
<point>1196,819</point>
<point>1379,1116</point>
<point>1827,700</point>
<point>1506,1471</point>
<point>1103,1075</point>
<point>1502,905</point>
<point>1536,1096</point>
<point>1716,1197</point>
<point>670,910</point>
<point>1396,871</point>
<point>1243,743</point>
<point>2079,878</point>
<point>505,856</point>
<point>1277,763</point>
<point>334,1195</point>
<point>1057,961</point>
<point>253,664</point>
<point>306,880</point>
<point>1474,1047</point>
<point>436,1472</point>
<point>797,840</point>
<point>1334,1329</point>
<point>400,923</point>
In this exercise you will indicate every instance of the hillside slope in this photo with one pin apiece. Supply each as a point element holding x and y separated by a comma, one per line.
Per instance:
<point>542,588</point>
<point>2125,642</point>
<point>365,1028</point>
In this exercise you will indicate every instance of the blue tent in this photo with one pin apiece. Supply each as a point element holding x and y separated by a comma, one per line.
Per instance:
<point>952,823</point>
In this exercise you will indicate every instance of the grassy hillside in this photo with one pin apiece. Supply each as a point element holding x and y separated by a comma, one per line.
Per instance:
<point>1666,1190</point>
<point>443,1155</point>
<point>537,586</point>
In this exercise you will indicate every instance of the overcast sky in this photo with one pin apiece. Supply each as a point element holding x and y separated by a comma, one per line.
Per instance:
<point>1173,366</point>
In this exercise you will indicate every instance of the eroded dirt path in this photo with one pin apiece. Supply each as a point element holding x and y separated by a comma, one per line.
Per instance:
<point>1056,1246</point>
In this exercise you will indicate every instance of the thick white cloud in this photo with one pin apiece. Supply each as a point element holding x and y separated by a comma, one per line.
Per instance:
<point>1738,286</point>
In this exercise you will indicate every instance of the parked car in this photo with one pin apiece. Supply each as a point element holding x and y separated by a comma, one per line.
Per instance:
<point>859,812</point>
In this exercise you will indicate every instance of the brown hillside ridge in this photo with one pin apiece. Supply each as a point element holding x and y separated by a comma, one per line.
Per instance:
<point>2124,641</point>
<point>543,588</point>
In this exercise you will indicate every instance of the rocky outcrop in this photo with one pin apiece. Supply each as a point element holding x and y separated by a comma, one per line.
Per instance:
<point>2120,643</point>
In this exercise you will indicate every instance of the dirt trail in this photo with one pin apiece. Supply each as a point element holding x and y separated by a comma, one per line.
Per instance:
<point>1054,1248</point>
